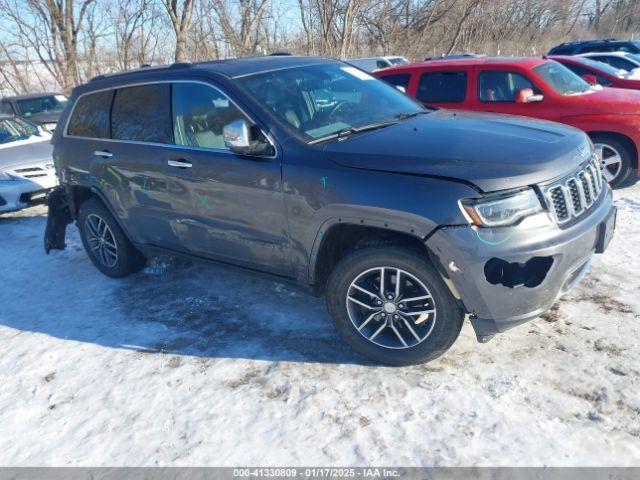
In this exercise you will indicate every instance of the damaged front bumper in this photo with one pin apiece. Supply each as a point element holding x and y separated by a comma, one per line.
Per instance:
<point>507,276</point>
<point>58,218</point>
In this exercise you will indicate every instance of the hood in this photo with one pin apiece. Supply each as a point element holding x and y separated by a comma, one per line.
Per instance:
<point>41,118</point>
<point>609,100</point>
<point>493,152</point>
<point>25,154</point>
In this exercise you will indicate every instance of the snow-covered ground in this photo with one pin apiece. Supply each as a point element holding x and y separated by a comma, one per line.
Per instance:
<point>189,364</point>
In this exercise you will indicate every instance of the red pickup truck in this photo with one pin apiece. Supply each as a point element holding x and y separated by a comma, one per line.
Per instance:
<point>533,87</point>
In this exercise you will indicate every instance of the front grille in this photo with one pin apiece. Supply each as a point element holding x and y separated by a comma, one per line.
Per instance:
<point>575,194</point>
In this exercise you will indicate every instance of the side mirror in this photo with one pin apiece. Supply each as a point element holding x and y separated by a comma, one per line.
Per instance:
<point>238,138</point>
<point>590,79</point>
<point>526,95</point>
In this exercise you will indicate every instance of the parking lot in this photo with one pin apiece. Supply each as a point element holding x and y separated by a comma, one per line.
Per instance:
<point>188,364</point>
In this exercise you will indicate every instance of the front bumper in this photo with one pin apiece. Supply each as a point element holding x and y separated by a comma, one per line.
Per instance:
<point>506,276</point>
<point>22,193</point>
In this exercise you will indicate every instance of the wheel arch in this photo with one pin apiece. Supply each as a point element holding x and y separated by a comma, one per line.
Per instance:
<point>338,237</point>
<point>624,139</point>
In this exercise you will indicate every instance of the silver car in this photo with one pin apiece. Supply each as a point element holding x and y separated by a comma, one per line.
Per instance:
<point>26,165</point>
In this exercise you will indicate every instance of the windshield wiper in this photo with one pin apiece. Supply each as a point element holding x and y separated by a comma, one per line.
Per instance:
<point>348,131</point>
<point>405,116</point>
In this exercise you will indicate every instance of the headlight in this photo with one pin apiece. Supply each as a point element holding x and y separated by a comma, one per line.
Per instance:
<point>5,176</point>
<point>501,210</point>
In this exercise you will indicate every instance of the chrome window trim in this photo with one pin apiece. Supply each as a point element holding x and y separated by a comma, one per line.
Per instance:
<point>267,135</point>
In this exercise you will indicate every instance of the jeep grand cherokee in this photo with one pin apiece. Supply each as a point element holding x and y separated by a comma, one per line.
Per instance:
<point>306,168</point>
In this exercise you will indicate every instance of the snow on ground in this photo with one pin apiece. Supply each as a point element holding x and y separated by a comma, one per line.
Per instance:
<point>189,364</point>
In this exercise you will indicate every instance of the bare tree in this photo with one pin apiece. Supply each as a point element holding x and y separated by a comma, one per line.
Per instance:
<point>180,15</point>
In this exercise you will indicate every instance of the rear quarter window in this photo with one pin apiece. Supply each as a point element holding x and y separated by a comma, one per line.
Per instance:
<point>398,80</point>
<point>90,117</point>
<point>143,114</point>
<point>442,87</point>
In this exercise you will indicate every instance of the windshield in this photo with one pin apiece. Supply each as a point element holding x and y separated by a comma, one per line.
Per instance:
<point>398,60</point>
<point>14,129</point>
<point>603,67</point>
<point>321,100</point>
<point>48,104</point>
<point>561,79</point>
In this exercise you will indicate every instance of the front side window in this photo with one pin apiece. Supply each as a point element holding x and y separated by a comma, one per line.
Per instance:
<point>499,86</point>
<point>561,79</point>
<point>320,101</point>
<point>442,87</point>
<point>47,104</point>
<point>143,114</point>
<point>618,62</point>
<point>90,117</point>
<point>200,113</point>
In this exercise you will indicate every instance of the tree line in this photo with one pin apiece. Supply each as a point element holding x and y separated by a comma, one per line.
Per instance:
<point>57,44</point>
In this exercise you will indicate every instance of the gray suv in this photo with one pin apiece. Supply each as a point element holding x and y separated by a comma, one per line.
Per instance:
<point>406,219</point>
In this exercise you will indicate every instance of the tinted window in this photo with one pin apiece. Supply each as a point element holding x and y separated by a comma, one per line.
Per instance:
<point>445,87</point>
<point>47,104</point>
<point>561,51</point>
<point>398,80</point>
<point>142,114</point>
<point>200,113</point>
<point>6,108</point>
<point>502,86</point>
<point>90,116</point>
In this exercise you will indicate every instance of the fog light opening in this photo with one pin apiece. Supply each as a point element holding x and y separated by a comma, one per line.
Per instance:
<point>530,273</point>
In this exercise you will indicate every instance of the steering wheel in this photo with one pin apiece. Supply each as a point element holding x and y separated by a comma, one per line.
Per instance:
<point>339,106</point>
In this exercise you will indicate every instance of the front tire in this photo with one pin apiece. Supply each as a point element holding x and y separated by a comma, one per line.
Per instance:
<point>390,305</point>
<point>615,159</point>
<point>105,242</point>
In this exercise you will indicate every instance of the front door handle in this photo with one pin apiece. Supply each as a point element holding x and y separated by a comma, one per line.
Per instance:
<point>179,163</point>
<point>103,153</point>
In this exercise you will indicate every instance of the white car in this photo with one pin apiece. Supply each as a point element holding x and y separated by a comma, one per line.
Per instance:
<point>26,164</point>
<point>620,60</point>
<point>371,64</point>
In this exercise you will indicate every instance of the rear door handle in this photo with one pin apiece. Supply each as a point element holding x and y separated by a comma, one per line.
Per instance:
<point>103,153</point>
<point>179,163</point>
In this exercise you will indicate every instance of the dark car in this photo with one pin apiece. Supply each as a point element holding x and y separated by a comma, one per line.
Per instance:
<point>587,46</point>
<point>43,109</point>
<point>312,170</point>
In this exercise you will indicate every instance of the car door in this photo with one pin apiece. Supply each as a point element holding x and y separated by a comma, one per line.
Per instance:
<point>229,207</point>
<point>498,89</point>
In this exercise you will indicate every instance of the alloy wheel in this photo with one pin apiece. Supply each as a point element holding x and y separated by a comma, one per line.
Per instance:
<point>391,308</point>
<point>610,161</point>
<point>101,240</point>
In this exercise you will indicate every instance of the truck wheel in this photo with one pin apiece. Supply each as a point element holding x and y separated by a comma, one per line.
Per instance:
<point>615,159</point>
<point>105,243</point>
<point>389,304</point>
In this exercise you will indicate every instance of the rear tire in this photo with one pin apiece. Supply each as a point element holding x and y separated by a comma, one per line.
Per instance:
<point>615,159</point>
<point>105,243</point>
<point>425,336</point>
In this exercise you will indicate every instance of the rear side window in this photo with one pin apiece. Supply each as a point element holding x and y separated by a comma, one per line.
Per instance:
<point>6,108</point>
<point>398,80</point>
<point>90,116</point>
<point>142,114</point>
<point>561,51</point>
<point>502,86</point>
<point>442,87</point>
